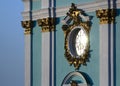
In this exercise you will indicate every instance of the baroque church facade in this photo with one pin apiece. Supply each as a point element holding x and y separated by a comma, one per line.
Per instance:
<point>72,42</point>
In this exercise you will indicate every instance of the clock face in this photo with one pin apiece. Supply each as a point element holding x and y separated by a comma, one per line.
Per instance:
<point>78,42</point>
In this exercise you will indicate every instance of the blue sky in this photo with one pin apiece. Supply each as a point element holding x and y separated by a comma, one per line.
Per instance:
<point>11,43</point>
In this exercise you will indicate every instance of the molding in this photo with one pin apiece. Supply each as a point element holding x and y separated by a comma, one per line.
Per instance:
<point>61,11</point>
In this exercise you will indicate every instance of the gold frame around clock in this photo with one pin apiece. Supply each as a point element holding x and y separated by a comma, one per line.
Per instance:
<point>67,28</point>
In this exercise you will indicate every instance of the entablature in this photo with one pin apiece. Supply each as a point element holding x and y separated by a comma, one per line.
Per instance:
<point>61,11</point>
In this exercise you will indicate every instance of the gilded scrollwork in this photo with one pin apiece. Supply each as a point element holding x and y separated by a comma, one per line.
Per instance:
<point>47,24</point>
<point>27,25</point>
<point>107,16</point>
<point>77,20</point>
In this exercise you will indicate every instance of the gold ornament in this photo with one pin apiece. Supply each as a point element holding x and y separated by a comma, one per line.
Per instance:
<point>75,16</point>
<point>47,24</point>
<point>107,16</point>
<point>28,25</point>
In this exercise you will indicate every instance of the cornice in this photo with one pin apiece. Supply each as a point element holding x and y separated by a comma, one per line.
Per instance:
<point>61,11</point>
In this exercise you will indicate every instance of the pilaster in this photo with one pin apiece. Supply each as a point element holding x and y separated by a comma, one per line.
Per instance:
<point>27,25</point>
<point>107,19</point>
<point>48,27</point>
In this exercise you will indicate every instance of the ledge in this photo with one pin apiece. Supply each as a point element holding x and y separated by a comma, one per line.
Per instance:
<point>61,11</point>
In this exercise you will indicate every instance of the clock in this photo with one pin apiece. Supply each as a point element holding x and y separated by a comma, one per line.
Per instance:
<point>76,31</point>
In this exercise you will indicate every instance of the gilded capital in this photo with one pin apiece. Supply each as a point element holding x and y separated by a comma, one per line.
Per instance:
<point>106,16</point>
<point>28,26</point>
<point>47,24</point>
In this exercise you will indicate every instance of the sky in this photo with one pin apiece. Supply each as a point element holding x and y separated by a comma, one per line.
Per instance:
<point>11,43</point>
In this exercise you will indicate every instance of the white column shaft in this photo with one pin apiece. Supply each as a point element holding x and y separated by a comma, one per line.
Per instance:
<point>48,59</point>
<point>27,60</point>
<point>104,57</point>
<point>45,58</point>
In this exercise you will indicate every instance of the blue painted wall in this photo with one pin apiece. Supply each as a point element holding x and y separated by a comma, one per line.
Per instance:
<point>117,50</point>
<point>92,68</point>
<point>36,56</point>
<point>62,68</point>
<point>36,5</point>
<point>59,3</point>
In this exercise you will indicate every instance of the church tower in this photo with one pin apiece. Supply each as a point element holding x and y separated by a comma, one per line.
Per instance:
<point>72,42</point>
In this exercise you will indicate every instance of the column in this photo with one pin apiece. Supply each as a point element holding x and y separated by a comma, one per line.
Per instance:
<point>45,50</point>
<point>28,27</point>
<point>48,26</point>
<point>107,18</point>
